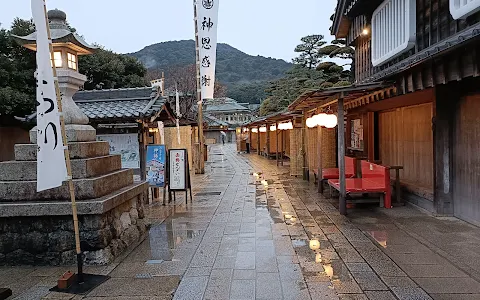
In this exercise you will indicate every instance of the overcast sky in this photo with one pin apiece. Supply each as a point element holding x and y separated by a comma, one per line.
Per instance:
<point>270,28</point>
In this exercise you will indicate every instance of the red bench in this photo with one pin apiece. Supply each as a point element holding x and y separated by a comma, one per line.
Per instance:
<point>375,179</point>
<point>333,173</point>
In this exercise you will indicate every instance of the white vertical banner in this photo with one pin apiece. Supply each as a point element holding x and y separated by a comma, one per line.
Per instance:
<point>177,112</point>
<point>51,168</point>
<point>207,19</point>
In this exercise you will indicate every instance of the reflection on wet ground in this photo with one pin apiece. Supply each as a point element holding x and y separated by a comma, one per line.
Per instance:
<point>254,232</point>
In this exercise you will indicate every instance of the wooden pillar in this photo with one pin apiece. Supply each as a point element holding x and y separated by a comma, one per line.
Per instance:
<point>283,146</point>
<point>143,151</point>
<point>342,203</point>
<point>268,141</point>
<point>320,161</point>
<point>276,142</point>
<point>304,149</point>
<point>258,140</point>
<point>443,125</point>
<point>371,136</point>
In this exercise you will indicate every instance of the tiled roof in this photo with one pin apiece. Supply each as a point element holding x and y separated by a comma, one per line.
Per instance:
<point>123,104</point>
<point>214,122</point>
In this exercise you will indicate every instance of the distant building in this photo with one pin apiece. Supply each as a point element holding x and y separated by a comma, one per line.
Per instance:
<point>229,110</point>
<point>225,115</point>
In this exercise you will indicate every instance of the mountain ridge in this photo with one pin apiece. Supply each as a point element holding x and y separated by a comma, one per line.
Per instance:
<point>234,67</point>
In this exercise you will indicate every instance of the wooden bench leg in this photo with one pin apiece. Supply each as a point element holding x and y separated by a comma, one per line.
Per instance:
<point>382,200</point>
<point>321,185</point>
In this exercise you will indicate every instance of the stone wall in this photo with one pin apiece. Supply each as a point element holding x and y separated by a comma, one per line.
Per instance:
<point>50,240</point>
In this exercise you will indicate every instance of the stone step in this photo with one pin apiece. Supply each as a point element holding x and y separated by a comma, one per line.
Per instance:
<point>81,168</point>
<point>28,152</point>
<point>96,206</point>
<point>89,188</point>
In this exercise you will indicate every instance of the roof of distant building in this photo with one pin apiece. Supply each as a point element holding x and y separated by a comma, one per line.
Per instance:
<point>130,103</point>
<point>214,122</point>
<point>224,105</point>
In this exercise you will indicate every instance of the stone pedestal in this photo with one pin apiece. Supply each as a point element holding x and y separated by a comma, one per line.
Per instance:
<point>37,228</point>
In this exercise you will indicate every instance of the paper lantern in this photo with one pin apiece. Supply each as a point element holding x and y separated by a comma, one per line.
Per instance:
<point>263,129</point>
<point>318,258</point>
<point>320,119</point>
<point>254,130</point>
<point>310,122</point>
<point>273,128</point>
<point>289,126</point>
<point>331,121</point>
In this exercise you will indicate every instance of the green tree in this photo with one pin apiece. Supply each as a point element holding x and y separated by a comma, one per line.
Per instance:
<point>17,66</point>
<point>309,72</point>
<point>109,70</point>
<point>309,50</point>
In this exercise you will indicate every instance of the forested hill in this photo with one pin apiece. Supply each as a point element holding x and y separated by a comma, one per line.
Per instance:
<point>234,67</point>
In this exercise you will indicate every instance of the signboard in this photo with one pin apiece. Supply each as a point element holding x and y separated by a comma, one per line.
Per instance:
<point>126,145</point>
<point>178,168</point>
<point>156,163</point>
<point>207,19</point>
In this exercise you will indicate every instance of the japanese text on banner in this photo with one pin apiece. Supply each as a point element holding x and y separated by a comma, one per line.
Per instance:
<point>51,168</point>
<point>207,19</point>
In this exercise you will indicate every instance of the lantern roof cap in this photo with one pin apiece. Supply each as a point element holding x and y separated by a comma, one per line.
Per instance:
<point>60,33</point>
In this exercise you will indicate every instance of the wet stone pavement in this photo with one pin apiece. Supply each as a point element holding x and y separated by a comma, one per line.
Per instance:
<point>251,237</point>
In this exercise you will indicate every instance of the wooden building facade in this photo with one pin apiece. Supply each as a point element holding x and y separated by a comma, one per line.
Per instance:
<point>429,121</point>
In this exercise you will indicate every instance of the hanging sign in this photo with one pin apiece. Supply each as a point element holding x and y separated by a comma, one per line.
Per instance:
<point>156,162</point>
<point>207,19</point>
<point>51,168</point>
<point>178,168</point>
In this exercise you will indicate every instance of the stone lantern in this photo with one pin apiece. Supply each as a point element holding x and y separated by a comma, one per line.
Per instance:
<point>67,46</point>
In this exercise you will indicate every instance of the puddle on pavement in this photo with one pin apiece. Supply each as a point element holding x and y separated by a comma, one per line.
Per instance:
<point>166,237</point>
<point>380,237</point>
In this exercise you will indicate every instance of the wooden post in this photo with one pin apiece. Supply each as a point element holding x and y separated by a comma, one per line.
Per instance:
<point>268,141</point>
<point>276,142</point>
<point>68,164</point>
<point>371,136</point>
<point>201,162</point>
<point>283,146</point>
<point>258,140</point>
<point>320,161</point>
<point>304,148</point>
<point>341,156</point>
<point>143,151</point>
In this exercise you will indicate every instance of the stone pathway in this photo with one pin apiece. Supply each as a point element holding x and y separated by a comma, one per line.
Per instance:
<point>233,242</point>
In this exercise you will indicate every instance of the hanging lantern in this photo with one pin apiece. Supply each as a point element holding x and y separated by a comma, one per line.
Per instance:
<point>273,128</point>
<point>310,122</point>
<point>289,126</point>
<point>321,119</point>
<point>263,129</point>
<point>254,130</point>
<point>331,121</point>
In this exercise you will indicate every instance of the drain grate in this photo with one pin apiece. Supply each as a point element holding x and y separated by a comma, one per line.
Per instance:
<point>209,194</point>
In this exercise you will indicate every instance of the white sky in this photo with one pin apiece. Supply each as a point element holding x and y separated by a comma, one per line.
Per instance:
<point>270,28</point>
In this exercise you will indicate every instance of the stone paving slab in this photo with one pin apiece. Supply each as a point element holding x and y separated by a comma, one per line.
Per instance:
<point>238,245</point>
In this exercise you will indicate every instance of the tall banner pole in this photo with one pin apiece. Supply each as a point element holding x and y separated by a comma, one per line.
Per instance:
<point>43,86</point>
<point>200,160</point>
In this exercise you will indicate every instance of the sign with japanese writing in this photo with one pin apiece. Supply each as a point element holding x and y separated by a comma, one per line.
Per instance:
<point>178,169</point>
<point>207,19</point>
<point>125,145</point>
<point>51,167</point>
<point>156,163</point>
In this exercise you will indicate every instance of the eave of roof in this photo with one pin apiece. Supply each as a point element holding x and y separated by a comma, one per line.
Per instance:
<point>313,99</point>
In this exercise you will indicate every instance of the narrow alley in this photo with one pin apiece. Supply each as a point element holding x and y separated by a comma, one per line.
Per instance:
<point>249,238</point>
